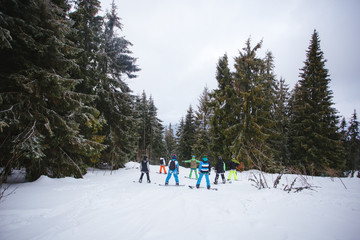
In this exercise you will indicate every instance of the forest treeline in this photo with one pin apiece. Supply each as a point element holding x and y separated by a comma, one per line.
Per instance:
<point>65,104</point>
<point>253,116</point>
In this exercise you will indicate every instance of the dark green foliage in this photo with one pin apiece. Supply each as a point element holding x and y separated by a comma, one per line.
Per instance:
<point>149,129</point>
<point>254,84</point>
<point>186,136</point>
<point>280,112</point>
<point>202,144</point>
<point>315,142</point>
<point>223,106</point>
<point>352,145</point>
<point>104,63</point>
<point>169,142</point>
<point>37,98</point>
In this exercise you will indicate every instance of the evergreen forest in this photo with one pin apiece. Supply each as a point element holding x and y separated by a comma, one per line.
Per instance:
<point>65,105</point>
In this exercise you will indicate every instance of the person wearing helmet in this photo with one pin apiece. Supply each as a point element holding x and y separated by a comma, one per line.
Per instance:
<point>220,169</point>
<point>204,169</point>
<point>173,170</point>
<point>193,165</point>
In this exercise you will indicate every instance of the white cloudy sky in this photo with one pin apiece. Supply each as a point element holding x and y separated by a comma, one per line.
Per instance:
<point>178,44</point>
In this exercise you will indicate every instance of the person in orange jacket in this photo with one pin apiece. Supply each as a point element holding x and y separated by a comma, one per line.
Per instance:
<point>162,165</point>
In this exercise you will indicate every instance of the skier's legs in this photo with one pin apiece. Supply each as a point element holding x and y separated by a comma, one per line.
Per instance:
<point>223,177</point>
<point>207,180</point>
<point>176,178</point>
<point>235,175</point>
<point>216,178</point>
<point>191,170</point>
<point>199,179</point>
<point>231,172</point>
<point>148,176</point>
<point>168,177</point>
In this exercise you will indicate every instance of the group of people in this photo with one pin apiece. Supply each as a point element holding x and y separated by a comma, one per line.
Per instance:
<point>204,169</point>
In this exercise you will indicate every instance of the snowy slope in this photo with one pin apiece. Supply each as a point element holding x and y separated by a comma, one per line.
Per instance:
<point>111,206</point>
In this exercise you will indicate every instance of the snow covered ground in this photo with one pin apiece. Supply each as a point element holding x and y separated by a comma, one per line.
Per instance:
<point>111,206</point>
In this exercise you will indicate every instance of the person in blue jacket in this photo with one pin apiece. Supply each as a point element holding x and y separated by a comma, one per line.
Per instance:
<point>173,170</point>
<point>204,169</point>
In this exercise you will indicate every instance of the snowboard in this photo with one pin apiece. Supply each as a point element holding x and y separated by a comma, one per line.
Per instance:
<point>171,185</point>
<point>194,187</point>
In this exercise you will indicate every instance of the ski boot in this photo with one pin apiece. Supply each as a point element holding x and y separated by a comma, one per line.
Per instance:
<point>208,187</point>
<point>177,184</point>
<point>197,185</point>
<point>149,181</point>
<point>140,180</point>
<point>215,182</point>
<point>166,183</point>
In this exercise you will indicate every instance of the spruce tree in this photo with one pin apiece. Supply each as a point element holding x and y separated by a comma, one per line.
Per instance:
<point>223,105</point>
<point>281,116</point>
<point>186,135</point>
<point>180,142</point>
<point>254,86</point>
<point>170,142</point>
<point>202,122</point>
<point>189,134</point>
<point>114,99</point>
<point>353,145</point>
<point>104,64</point>
<point>315,142</point>
<point>150,129</point>
<point>37,98</point>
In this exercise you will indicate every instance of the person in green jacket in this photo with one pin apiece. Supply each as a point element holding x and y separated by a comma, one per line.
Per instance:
<point>193,165</point>
<point>233,164</point>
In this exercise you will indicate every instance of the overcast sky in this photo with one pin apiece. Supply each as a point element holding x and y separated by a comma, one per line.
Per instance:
<point>178,44</point>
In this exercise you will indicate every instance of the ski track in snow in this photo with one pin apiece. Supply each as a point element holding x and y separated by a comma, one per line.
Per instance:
<point>109,205</point>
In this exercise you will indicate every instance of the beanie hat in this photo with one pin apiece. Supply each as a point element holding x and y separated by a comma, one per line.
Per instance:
<point>205,158</point>
<point>174,157</point>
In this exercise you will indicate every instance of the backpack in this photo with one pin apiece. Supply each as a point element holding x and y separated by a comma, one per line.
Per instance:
<point>172,165</point>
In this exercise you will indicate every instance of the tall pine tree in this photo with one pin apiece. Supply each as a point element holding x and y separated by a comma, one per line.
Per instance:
<point>202,122</point>
<point>114,99</point>
<point>315,142</point>
<point>169,142</point>
<point>37,98</point>
<point>186,136</point>
<point>223,117</point>
<point>254,86</point>
<point>353,145</point>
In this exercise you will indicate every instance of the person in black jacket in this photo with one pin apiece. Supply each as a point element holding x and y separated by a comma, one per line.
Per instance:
<point>144,168</point>
<point>220,169</point>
